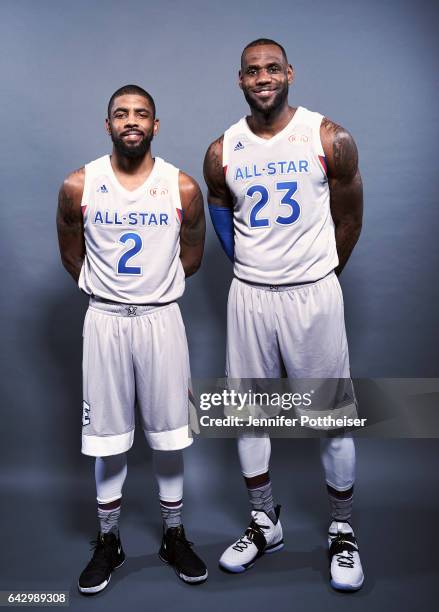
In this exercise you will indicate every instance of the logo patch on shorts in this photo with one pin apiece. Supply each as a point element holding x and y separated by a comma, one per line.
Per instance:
<point>85,413</point>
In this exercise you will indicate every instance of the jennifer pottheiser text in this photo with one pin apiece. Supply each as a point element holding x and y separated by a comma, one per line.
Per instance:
<point>281,421</point>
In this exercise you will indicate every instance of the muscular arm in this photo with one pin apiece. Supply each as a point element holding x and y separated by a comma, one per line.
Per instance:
<point>345,188</point>
<point>219,197</point>
<point>70,224</point>
<point>193,226</point>
<point>218,193</point>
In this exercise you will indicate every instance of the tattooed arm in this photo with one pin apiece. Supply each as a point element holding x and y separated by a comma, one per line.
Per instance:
<point>70,224</point>
<point>219,197</point>
<point>193,226</point>
<point>218,193</point>
<point>345,188</point>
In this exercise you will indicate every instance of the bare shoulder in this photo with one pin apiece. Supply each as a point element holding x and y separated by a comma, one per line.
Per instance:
<point>73,185</point>
<point>187,185</point>
<point>213,160</point>
<point>190,192</point>
<point>339,147</point>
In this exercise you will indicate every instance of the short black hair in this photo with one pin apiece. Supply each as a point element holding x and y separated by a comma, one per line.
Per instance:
<point>131,89</point>
<point>264,41</point>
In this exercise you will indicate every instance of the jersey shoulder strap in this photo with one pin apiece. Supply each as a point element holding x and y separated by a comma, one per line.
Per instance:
<point>93,170</point>
<point>231,135</point>
<point>314,121</point>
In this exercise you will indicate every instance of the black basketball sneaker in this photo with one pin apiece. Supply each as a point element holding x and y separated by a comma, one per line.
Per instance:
<point>177,551</point>
<point>108,555</point>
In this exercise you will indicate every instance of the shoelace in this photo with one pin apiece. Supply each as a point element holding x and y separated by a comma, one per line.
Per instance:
<point>101,552</point>
<point>345,558</point>
<point>181,543</point>
<point>250,533</point>
<point>181,539</point>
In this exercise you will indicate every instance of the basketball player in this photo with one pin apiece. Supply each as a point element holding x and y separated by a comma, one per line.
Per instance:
<point>285,198</point>
<point>130,228</point>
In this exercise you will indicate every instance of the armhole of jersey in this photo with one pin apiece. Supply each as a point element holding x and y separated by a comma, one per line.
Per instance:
<point>225,161</point>
<point>317,142</point>
<point>85,204</point>
<point>177,197</point>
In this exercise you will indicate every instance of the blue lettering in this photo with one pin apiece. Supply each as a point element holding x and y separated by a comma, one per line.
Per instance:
<point>107,218</point>
<point>132,218</point>
<point>247,175</point>
<point>255,170</point>
<point>303,165</point>
<point>282,164</point>
<point>98,218</point>
<point>152,219</point>
<point>143,215</point>
<point>238,174</point>
<point>116,219</point>
<point>292,167</point>
<point>271,168</point>
<point>163,219</point>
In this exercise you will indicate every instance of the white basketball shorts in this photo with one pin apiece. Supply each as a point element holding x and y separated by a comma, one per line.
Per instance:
<point>298,331</point>
<point>134,355</point>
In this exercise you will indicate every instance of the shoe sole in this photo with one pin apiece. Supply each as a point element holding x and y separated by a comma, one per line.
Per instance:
<point>100,587</point>
<point>239,569</point>
<point>346,587</point>
<point>187,579</point>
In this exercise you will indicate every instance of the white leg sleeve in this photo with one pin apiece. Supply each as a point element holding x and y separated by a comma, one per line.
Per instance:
<point>254,455</point>
<point>338,459</point>
<point>110,474</point>
<point>168,468</point>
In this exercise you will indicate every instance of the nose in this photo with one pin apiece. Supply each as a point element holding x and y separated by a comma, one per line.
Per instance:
<point>131,119</point>
<point>263,77</point>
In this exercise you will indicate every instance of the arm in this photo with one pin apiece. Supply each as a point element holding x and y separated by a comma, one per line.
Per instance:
<point>193,225</point>
<point>345,188</point>
<point>70,224</point>
<point>219,197</point>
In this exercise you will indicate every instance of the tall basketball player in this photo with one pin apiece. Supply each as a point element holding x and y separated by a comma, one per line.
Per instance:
<point>285,198</point>
<point>130,228</point>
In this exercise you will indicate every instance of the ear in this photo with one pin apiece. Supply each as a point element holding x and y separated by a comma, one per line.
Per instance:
<point>240,79</point>
<point>107,126</point>
<point>290,74</point>
<point>156,127</point>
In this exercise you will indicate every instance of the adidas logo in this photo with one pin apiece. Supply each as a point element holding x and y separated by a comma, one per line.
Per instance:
<point>238,146</point>
<point>102,189</point>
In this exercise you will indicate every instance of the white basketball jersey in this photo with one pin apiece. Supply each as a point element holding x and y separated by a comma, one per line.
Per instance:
<point>284,232</point>
<point>132,238</point>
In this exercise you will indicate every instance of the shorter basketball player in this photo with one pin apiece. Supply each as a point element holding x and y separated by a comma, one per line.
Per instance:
<point>131,228</point>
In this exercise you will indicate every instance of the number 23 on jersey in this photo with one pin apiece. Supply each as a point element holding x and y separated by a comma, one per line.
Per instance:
<point>284,191</point>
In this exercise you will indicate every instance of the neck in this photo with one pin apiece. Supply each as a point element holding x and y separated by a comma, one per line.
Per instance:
<point>129,165</point>
<point>271,123</point>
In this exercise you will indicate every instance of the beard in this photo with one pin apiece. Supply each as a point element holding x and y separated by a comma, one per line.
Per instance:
<point>132,151</point>
<point>271,106</point>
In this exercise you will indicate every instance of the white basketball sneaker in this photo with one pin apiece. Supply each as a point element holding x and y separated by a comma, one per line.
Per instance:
<point>346,571</point>
<point>261,537</point>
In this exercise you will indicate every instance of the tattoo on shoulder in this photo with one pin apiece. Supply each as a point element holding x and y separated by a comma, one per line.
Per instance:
<point>344,150</point>
<point>215,155</point>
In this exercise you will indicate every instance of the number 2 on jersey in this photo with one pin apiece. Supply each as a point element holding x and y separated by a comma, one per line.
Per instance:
<point>122,267</point>
<point>290,187</point>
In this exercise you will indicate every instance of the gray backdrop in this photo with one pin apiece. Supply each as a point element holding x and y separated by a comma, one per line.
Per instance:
<point>371,67</point>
